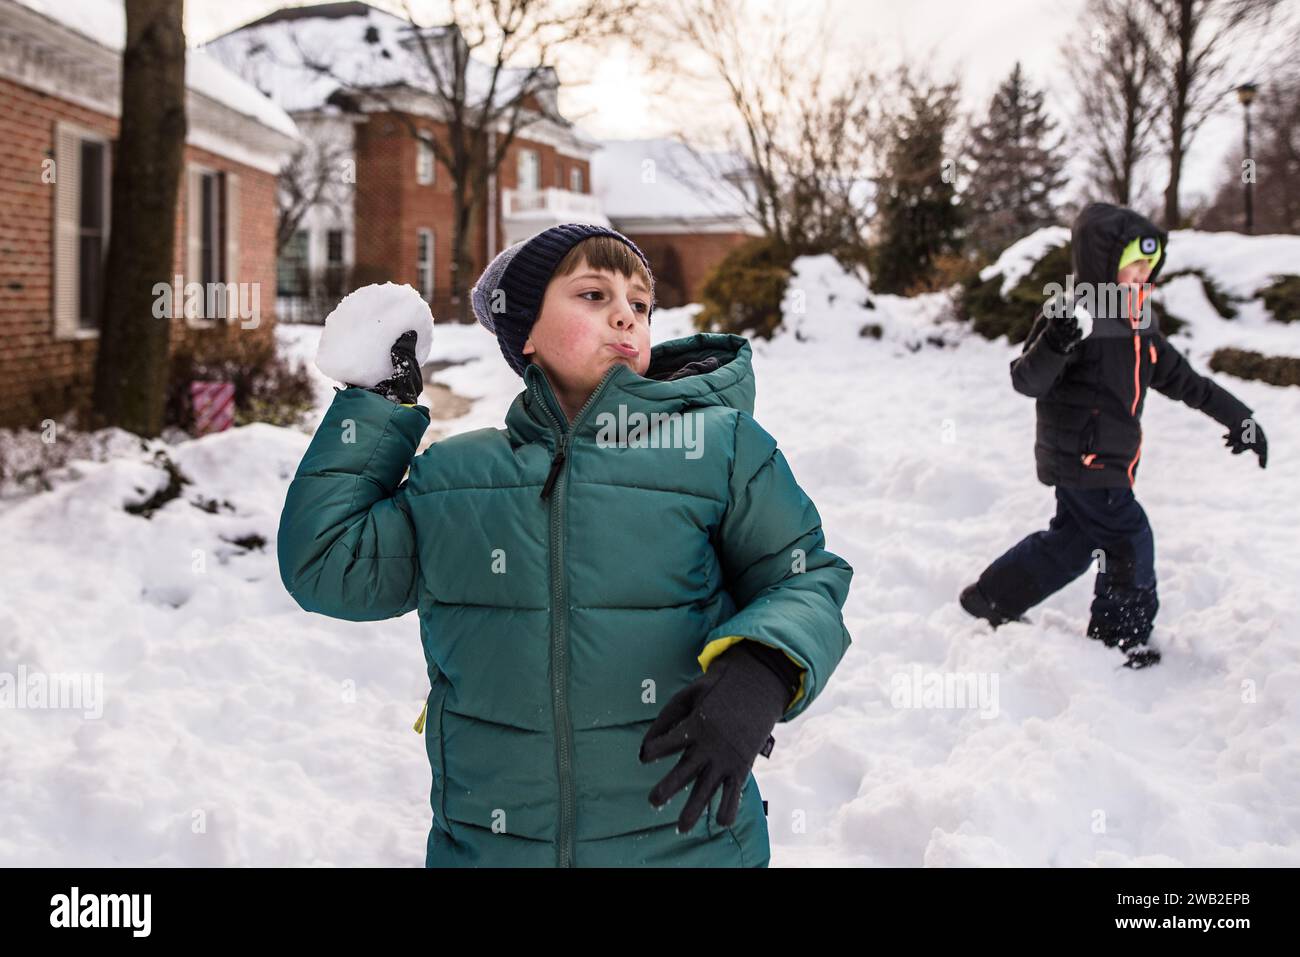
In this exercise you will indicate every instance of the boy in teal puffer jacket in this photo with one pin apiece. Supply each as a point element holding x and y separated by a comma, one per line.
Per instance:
<point>631,533</point>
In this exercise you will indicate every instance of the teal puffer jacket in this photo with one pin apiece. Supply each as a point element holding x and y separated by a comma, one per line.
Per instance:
<point>555,628</point>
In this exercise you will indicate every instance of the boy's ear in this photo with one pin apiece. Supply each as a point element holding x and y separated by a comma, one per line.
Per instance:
<point>528,348</point>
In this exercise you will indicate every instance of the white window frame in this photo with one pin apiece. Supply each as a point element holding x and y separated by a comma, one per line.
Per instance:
<point>66,259</point>
<point>194,173</point>
<point>534,167</point>
<point>425,162</point>
<point>424,268</point>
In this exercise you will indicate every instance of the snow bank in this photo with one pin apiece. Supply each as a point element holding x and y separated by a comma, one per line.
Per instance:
<point>1018,260</point>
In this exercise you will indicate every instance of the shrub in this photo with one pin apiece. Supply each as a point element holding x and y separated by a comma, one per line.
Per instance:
<point>1244,364</point>
<point>1282,298</point>
<point>267,388</point>
<point>743,294</point>
<point>981,302</point>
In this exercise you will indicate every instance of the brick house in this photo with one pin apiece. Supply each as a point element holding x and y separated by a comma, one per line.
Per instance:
<point>386,211</point>
<point>392,219</point>
<point>685,208</point>
<point>60,79</point>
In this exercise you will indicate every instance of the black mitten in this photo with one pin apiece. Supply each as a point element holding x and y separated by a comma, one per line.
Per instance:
<point>723,720</point>
<point>406,383</point>
<point>1063,331</point>
<point>1247,434</point>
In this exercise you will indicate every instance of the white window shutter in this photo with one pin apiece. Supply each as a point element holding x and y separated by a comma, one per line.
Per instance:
<point>67,228</point>
<point>193,240</point>
<point>232,242</point>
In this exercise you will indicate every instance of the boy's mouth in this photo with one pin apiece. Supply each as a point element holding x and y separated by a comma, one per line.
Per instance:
<point>625,350</point>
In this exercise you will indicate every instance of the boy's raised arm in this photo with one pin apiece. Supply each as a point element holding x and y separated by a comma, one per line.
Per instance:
<point>789,590</point>
<point>346,544</point>
<point>1039,364</point>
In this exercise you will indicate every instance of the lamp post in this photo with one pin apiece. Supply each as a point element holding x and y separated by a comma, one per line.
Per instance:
<point>1246,94</point>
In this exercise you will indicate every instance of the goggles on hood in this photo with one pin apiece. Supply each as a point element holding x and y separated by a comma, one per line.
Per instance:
<point>1144,247</point>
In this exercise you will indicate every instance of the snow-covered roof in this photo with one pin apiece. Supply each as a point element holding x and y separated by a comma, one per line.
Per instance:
<point>361,47</point>
<point>666,179</point>
<point>104,22</point>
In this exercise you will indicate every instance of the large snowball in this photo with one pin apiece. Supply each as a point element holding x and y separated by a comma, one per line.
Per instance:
<point>355,347</point>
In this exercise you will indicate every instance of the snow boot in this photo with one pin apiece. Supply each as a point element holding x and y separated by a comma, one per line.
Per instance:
<point>976,603</point>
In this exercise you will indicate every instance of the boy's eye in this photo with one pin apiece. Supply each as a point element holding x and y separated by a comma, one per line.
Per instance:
<point>642,306</point>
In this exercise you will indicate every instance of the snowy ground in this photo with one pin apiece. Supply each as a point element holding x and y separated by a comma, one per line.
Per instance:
<point>238,730</point>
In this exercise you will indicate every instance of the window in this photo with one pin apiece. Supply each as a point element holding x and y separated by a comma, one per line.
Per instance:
<point>81,228</point>
<point>528,170</point>
<point>92,235</point>
<point>575,179</point>
<point>424,160</point>
<point>291,267</point>
<point>212,228</point>
<point>334,263</point>
<point>212,242</point>
<point>559,175</point>
<point>424,263</point>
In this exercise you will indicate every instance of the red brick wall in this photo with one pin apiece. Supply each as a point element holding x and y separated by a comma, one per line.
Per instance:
<point>43,377</point>
<point>682,263</point>
<point>390,205</point>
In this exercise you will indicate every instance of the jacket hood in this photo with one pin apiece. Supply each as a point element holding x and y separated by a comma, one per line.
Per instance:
<point>1100,233</point>
<point>730,384</point>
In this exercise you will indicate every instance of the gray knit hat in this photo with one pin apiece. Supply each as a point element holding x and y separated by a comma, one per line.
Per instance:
<point>508,295</point>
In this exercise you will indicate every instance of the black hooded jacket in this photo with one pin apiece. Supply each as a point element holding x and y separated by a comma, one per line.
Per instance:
<point>1090,399</point>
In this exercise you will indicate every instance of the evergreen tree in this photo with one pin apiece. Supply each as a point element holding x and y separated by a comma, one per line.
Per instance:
<point>1017,167</point>
<point>917,215</point>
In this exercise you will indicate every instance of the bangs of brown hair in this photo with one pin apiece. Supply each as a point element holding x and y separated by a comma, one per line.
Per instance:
<point>606,252</point>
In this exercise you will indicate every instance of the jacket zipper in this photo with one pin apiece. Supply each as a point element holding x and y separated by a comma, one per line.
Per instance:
<point>1137,375</point>
<point>560,617</point>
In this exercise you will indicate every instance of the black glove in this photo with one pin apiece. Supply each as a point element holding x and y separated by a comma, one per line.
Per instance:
<point>724,720</point>
<point>1063,331</point>
<point>406,383</point>
<point>1237,439</point>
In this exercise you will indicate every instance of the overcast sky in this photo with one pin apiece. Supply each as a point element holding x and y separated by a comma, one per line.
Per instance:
<point>978,42</point>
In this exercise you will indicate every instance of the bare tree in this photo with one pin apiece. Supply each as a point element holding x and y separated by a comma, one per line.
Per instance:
<point>1114,77</point>
<point>1277,166</point>
<point>316,176</point>
<point>1192,39</point>
<point>466,68</point>
<point>805,136</point>
<point>132,359</point>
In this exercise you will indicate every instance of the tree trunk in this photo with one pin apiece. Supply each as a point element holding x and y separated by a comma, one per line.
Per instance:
<point>131,364</point>
<point>1178,114</point>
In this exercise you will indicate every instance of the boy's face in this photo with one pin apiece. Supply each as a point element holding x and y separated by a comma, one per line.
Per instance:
<point>590,320</point>
<point>1136,272</point>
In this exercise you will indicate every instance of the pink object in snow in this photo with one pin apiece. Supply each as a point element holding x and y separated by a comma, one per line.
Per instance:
<point>214,406</point>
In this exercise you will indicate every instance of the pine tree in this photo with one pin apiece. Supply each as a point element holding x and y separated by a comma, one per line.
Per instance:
<point>1017,167</point>
<point>917,216</point>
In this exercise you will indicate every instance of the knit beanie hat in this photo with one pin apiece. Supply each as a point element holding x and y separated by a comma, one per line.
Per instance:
<point>508,295</point>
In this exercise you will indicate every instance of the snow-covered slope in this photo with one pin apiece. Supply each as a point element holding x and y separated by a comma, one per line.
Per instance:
<point>289,735</point>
